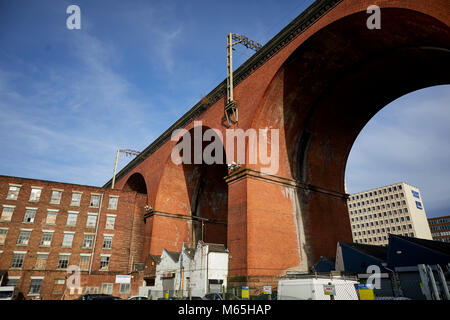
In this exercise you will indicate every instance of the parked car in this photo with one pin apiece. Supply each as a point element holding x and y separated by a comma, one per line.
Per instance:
<point>212,296</point>
<point>138,298</point>
<point>98,296</point>
<point>193,298</point>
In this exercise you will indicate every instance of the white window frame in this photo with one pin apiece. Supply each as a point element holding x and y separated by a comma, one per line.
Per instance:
<point>90,214</point>
<point>27,210</point>
<point>60,196</point>
<point>110,217</point>
<point>3,210</point>
<point>76,204</point>
<point>109,261</point>
<point>128,285</point>
<point>69,214</point>
<point>90,201</point>
<point>59,259</point>
<point>35,199</point>
<point>13,278</point>
<point>15,195</point>
<point>85,255</point>
<point>104,238</point>
<point>116,203</point>
<point>46,232</point>
<point>40,286</point>
<point>29,237</point>
<point>52,212</point>
<point>92,241</point>
<point>110,287</point>
<point>37,257</point>
<point>24,253</point>
<point>6,234</point>
<point>67,233</point>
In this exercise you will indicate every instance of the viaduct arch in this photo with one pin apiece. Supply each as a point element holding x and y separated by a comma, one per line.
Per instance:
<point>319,81</point>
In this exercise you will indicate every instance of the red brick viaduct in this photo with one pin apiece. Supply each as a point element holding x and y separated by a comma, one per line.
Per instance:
<point>319,81</point>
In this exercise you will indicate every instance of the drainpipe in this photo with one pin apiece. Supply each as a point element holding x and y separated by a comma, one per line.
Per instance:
<point>96,231</point>
<point>207,265</point>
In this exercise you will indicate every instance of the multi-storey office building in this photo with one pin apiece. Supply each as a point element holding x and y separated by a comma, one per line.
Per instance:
<point>396,209</point>
<point>440,228</point>
<point>47,227</point>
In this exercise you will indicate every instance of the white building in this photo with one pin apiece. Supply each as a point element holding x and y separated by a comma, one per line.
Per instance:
<point>396,209</point>
<point>194,272</point>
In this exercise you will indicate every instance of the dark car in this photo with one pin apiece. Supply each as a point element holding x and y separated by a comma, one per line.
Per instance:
<point>212,296</point>
<point>98,296</point>
<point>193,298</point>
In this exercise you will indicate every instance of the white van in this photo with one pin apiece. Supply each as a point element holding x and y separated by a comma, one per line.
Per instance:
<point>316,289</point>
<point>9,293</point>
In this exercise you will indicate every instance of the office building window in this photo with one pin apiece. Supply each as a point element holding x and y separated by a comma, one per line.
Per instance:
<point>41,261</point>
<point>63,261</point>
<point>113,201</point>
<point>3,233</point>
<point>95,200</point>
<point>110,221</point>
<point>35,286</point>
<point>107,241</point>
<point>17,260</point>
<point>88,241</point>
<point>46,239</point>
<point>12,281</point>
<point>107,288</point>
<point>30,213</point>
<point>91,290</point>
<point>59,286</point>
<point>104,262</point>
<point>124,288</point>
<point>56,197</point>
<point>35,194</point>
<point>91,220</point>
<point>67,240</point>
<point>13,192</point>
<point>51,217</point>
<point>7,213</point>
<point>72,218</point>
<point>24,237</point>
<point>76,199</point>
<point>84,262</point>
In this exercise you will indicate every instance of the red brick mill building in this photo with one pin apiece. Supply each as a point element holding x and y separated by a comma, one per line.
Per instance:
<point>46,226</point>
<point>318,82</point>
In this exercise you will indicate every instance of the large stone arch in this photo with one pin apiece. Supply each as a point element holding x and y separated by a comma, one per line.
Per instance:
<point>136,182</point>
<point>325,93</point>
<point>191,202</point>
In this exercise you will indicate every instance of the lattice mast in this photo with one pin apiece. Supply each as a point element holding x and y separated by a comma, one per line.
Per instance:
<point>127,152</point>
<point>231,109</point>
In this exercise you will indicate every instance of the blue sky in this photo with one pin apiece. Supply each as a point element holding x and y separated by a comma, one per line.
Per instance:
<point>70,98</point>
